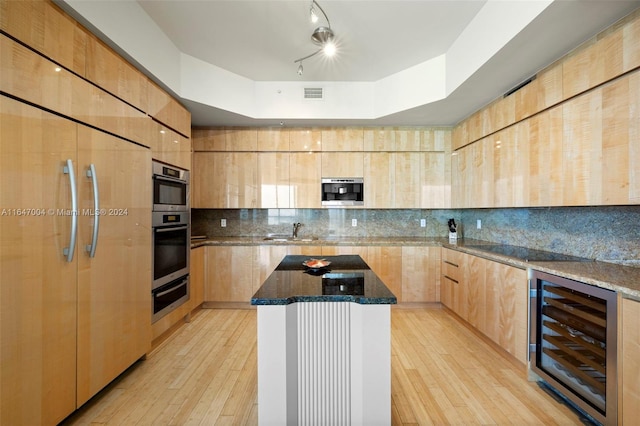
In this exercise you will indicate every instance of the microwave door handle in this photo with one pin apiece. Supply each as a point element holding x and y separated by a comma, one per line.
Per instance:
<point>68,251</point>
<point>168,179</point>
<point>174,228</point>
<point>171,290</point>
<point>91,248</point>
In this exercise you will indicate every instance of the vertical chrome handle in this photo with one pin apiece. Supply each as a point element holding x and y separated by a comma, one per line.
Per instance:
<point>91,248</point>
<point>68,251</point>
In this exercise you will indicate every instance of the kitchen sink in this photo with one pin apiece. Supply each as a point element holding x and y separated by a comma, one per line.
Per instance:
<point>282,237</point>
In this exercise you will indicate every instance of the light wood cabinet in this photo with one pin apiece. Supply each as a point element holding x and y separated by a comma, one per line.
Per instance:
<point>386,262</point>
<point>421,274</point>
<point>305,139</point>
<point>197,270</point>
<point>274,190</point>
<point>491,296</point>
<point>379,180</point>
<point>379,139</point>
<point>343,139</point>
<point>304,179</point>
<point>542,93</point>
<point>170,147</point>
<point>629,367</point>
<point>109,71</point>
<point>342,164</point>
<point>224,180</point>
<point>545,158</point>
<point>47,29</point>
<point>451,294</point>
<point>408,184</point>
<point>273,139</point>
<point>209,139</point>
<point>81,322</point>
<point>229,273</point>
<point>35,79</point>
<point>113,287</point>
<point>165,109</point>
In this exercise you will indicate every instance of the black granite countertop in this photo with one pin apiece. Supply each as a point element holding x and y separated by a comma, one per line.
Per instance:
<point>347,279</point>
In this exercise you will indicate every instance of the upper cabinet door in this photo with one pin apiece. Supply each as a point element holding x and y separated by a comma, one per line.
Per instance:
<point>38,291</point>
<point>305,180</point>
<point>274,190</point>
<point>225,180</point>
<point>114,298</point>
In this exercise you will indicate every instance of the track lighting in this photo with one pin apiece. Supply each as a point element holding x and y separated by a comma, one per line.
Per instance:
<point>322,36</point>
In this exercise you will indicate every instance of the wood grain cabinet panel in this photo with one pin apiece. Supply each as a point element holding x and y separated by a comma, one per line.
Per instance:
<point>304,179</point>
<point>511,166</point>
<point>209,139</point>
<point>274,189</point>
<point>433,186</point>
<point>38,316</point>
<point>582,149</point>
<point>408,139</point>
<point>343,139</point>
<point>474,283</point>
<point>112,73</point>
<point>267,258</point>
<point>47,29</point>
<point>342,164</point>
<point>305,139</point>
<point>30,77</point>
<point>420,274</point>
<point>83,322</point>
<point>114,300</point>
<point>543,92</point>
<point>170,147</point>
<point>273,139</point>
<point>628,355</point>
<point>168,111</point>
<point>407,184</point>
<point>379,180</point>
<point>197,268</point>
<point>545,158</point>
<point>498,115</point>
<point>229,273</point>
<point>224,180</point>
<point>379,139</point>
<point>386,262</point>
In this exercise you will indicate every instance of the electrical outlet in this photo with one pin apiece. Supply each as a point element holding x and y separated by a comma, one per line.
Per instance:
<point>423,223</point>
<point>223,223</point>
<point>479,224</point>
<point>354,222</point>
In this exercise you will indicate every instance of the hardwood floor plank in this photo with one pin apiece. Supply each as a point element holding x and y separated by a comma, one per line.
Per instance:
<point>441,373</point>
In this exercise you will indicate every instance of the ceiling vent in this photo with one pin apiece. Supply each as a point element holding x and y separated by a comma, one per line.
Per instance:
<point>519,86</point>
<point>314,93</point>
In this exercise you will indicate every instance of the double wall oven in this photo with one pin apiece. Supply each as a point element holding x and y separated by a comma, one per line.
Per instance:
<point>171,239</point>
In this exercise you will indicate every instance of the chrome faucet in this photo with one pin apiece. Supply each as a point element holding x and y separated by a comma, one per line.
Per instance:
<point>296,226</point>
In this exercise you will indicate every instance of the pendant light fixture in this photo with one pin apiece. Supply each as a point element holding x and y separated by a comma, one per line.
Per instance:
<point>322,36</point>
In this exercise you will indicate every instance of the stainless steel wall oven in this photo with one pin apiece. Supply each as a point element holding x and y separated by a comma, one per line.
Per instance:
<point>574,342</point>
<point>170,188</point>
<point>171,239</point>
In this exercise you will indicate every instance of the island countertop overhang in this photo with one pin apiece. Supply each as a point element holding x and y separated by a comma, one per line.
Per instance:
<point>347,279</point>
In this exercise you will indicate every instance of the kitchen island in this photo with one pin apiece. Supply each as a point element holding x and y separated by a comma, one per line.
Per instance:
<point>324,344</point>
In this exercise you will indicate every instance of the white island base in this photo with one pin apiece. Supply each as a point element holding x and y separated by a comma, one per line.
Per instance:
<point>324,363</point>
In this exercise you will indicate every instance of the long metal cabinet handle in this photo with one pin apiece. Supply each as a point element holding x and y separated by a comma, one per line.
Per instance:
<point>91,248</point>
<point>68,251</point>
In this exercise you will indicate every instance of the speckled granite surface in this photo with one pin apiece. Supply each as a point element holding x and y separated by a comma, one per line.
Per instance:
<point>607,233</point>
<point>347,279</point>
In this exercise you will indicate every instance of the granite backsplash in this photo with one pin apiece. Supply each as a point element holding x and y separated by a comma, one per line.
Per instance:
<point>610,234</point>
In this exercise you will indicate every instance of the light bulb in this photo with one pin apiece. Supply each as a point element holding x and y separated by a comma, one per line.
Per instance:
<point>329,48</point>
<point>314,16</point>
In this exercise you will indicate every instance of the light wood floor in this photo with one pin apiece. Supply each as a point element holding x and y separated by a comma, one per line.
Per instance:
<point>442,373</point>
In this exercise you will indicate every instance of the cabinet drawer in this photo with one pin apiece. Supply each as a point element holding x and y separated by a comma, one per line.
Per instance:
<point>451,264</point>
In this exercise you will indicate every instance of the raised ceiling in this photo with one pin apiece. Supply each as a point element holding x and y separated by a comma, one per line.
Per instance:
<point>469,52</point>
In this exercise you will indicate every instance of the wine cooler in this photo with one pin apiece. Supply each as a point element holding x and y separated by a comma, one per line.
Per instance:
<point>573,342</point>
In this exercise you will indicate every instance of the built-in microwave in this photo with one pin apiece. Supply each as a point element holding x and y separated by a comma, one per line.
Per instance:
<point>170,188</point>
<point>339,192</point>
